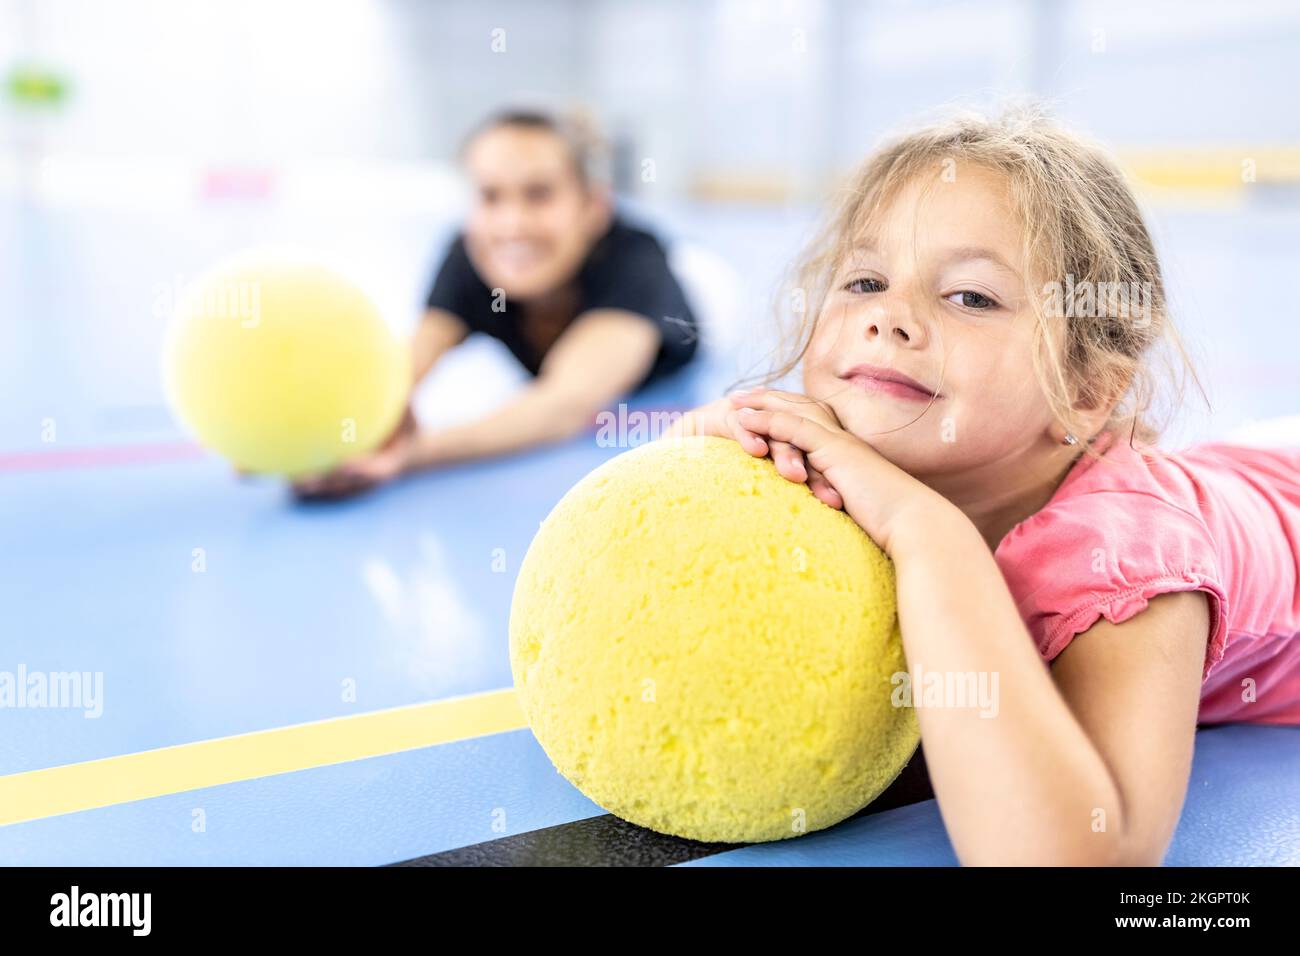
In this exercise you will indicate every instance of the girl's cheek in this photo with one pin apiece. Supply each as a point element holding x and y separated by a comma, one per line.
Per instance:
<point>821,347</point>
<point>815,359</point>
<point>819,372</point>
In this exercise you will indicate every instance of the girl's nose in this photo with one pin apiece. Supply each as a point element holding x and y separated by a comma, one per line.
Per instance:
<point>892,317</point>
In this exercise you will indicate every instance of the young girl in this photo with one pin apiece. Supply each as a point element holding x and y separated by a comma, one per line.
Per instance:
<point>981,314</point>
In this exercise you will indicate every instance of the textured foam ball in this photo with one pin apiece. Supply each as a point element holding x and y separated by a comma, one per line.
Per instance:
<point>705,649</point>
<point>283,367</point>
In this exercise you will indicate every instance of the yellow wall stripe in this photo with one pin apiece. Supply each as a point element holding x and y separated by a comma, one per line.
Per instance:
<point>1225,168</point>
<point>36,794</point>
<point>1229,169</point>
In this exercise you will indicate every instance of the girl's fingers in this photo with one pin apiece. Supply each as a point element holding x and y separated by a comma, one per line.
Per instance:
<point>769,398</point>
<point>772,400</point>
<point>752,398</point>
<point>711,419</point>
<point>748,440</point>
<point>747,394</point>
<point>804,433</point>
<point>823,489</point>
<point>789,461</point>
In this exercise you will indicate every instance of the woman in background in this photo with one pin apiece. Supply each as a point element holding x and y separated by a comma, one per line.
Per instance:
<point>583,300</point>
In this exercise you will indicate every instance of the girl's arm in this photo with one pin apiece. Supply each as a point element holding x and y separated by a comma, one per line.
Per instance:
<point>1089,769</point>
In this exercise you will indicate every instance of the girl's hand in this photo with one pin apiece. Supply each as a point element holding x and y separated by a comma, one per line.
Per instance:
<point>361,474</point>
<point>876,493</point>
<point>791,462</point>
<point>710,419</point>
<point>721,418</point>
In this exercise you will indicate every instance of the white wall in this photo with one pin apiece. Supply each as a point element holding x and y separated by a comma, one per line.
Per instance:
<point>795,86</point>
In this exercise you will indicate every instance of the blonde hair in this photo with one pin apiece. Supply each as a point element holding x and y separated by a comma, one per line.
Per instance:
<point>1082,229</point>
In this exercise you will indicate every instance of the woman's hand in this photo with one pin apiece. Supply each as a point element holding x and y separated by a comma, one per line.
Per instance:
<point>875,492</point>
<point>722,418</point>
<point>360,474</point>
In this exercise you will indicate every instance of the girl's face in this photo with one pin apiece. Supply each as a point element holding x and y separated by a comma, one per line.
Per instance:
<point>935,292</point>
<point>533,221</point>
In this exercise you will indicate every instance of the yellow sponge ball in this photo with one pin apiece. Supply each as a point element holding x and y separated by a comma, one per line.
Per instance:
<point>283,367</point>
<point>705,649</point>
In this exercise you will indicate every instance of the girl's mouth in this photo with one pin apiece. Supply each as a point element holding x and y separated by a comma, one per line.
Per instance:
<point>884,381</point>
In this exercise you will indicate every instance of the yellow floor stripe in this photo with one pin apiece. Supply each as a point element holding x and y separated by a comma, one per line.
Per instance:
<point>36,794</point>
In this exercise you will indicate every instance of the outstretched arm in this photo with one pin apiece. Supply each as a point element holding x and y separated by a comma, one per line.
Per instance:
<point>438,332</point>
<point>599,358</point>
<point>602,355</point>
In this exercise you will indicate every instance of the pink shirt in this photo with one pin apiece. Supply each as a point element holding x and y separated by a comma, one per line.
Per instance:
<point>1221,518</point>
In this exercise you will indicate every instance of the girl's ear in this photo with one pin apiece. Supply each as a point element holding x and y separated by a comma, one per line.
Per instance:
<point>1098,394</point>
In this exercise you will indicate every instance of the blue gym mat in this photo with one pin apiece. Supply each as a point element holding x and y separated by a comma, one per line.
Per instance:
<point>320,612</point>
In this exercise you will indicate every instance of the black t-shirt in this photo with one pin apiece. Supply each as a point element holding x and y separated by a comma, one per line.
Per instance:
<point>626,269</point>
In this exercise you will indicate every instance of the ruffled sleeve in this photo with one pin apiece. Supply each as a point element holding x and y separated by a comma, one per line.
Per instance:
<point>1105,554</point>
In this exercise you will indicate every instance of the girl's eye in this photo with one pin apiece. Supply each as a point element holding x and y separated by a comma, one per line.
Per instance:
<point>861,286</point>
<point>973,300</point>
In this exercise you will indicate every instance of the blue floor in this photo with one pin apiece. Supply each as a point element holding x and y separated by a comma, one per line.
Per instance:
<point>395,591</point>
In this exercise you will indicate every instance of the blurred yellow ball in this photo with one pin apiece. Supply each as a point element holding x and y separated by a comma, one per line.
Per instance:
<point>283,367</point>
<point>705,649</point>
